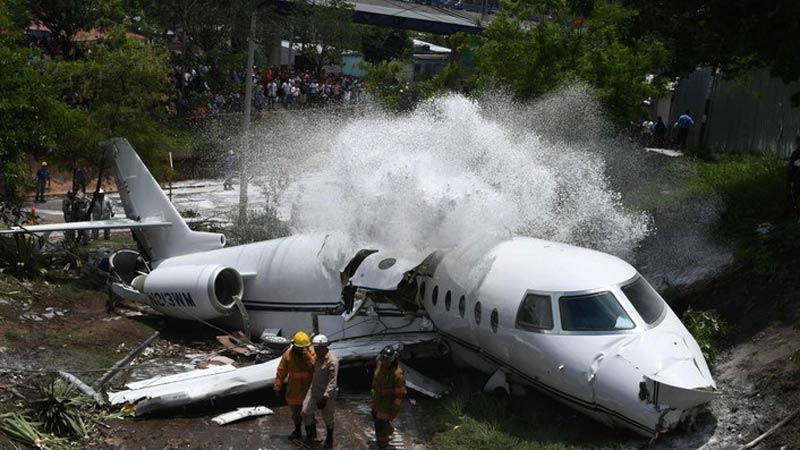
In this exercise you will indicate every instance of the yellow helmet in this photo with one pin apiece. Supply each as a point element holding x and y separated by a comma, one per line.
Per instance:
<point>44,163</point>
<point>301,340</point>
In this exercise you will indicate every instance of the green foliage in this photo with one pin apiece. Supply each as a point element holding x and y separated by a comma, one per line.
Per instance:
<point>122,86</point>
<point>533,60</point>
<point>259,226</point>
<point>752,188</point>
<point>323,31</point>
<point>735,35</point>
<point>383,81</point>
<point>63,410</point>
<point>19,256</point>
<point>771,253</point>
<point>708,328</point>
<point>478,421</point>
<point>384,44</point>
<point>21,429</point>
<point>33,121</point>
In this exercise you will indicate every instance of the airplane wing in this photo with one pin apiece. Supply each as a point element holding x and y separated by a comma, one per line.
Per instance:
<point>112,224</point>
<point>186,388</point>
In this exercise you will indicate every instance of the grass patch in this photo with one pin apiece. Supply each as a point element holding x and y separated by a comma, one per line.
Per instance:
<point>753,188</point>
<point>483,422</point>
<point>11,336</point>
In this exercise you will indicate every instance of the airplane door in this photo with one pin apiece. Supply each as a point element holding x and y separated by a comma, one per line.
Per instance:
<point>532,328</point>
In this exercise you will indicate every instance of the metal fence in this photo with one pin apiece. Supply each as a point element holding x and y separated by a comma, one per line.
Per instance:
<point>750,114</point>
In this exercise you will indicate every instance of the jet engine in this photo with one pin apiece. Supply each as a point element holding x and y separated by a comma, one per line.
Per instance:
<point>192,292</point>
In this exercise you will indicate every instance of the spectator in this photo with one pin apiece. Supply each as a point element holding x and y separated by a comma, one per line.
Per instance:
<point>683,124</point>
<point>42,179</point>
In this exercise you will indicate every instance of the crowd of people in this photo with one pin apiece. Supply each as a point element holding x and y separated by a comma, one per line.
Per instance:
<point>307,377</point>
<point>205,91</point>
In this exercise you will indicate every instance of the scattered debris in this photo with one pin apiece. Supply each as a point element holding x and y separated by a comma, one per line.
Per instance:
<point>83,387</point>
<point>124,361</point>
<point>48,314</point>
<point>241,413</point>
<point>783,422</point>
<point>765,228</point>
<point>422,384</point>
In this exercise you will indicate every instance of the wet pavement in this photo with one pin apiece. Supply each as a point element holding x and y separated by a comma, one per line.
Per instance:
<point>354,429</point>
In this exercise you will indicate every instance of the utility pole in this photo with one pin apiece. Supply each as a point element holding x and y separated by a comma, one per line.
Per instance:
<point>248,99</point>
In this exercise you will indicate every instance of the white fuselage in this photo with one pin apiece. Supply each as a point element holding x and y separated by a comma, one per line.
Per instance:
<point>288,281</point>
<point>598,372</point>
<point>473,296</point>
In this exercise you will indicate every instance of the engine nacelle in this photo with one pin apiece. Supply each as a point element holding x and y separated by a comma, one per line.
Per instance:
<point>192,292</point>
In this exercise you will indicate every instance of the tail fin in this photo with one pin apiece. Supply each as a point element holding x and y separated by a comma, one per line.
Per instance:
<point>143,198</point>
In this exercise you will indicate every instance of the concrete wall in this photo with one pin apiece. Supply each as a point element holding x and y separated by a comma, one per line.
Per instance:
<point>750,114</point>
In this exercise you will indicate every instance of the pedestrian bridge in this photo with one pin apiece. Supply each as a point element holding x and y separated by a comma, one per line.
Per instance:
<point>417,17</point>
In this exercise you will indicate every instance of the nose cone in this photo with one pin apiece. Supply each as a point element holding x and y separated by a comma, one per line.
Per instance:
<point>671,357</point>
<point>653,378</point>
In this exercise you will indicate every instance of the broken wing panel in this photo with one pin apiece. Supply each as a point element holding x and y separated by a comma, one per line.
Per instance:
<point>382,271</point>
<point>112,224</point>
<point>197,385</point>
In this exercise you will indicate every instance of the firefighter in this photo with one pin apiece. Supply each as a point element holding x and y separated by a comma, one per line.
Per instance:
<point>388,391</point>
<point>322,394</point>
<point>298,364</point>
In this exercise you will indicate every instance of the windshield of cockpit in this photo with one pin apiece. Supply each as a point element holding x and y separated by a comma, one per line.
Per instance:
<point>644,299</point>
<point>593,312</point>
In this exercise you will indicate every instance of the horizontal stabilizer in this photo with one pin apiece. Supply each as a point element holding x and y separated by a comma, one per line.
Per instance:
<point>112,224</point>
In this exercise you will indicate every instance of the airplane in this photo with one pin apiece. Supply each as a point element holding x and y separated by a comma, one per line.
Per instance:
<point>579,325</point>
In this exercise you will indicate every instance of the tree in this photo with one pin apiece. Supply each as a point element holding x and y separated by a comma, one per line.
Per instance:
<point>323,31</point>
<point>534,58</point>
<point>734,35</point>
<point>65,18</point>
<point>34,121</point>
<point>122,86</point>
<point>384,44</point>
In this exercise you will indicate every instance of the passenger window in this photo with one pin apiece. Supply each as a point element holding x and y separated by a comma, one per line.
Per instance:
<point>535,312</point>
<point>593,312</point>
<point>435,295</point>
<point>462,306</point>
<point>422,291</point>
<point>478,313</point>
<point>494,320</point>
<point>447,300</point>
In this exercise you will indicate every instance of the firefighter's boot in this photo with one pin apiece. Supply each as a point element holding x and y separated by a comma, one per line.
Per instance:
<point>296,433</point>
<point>311,434</point>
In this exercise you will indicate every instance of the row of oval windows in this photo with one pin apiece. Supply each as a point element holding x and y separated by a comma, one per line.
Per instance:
<point>462,305</point>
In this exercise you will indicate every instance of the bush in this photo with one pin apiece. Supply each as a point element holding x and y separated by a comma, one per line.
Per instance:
<point>259,226</point>
<point>708,328</point>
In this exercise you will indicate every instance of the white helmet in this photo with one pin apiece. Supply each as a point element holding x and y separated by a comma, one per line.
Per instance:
<point>320,340</point>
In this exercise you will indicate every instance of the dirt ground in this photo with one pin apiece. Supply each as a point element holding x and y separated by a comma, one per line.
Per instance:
<point>60,325</point>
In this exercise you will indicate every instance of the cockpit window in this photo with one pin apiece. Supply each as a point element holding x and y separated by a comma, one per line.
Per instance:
<point>593,312</point>
<point>535,312</point>
<point>645,299</point>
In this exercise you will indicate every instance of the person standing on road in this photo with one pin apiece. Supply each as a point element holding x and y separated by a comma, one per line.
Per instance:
<point>683,124</point>
<point>103,210</point>
<point>322,394</point>
<point>42,180</point>
<point>659,132</point>
<point>297,363</point>
<point>388,392</point>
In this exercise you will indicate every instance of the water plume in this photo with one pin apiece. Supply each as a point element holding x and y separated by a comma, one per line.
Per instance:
<point>457,169</point>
